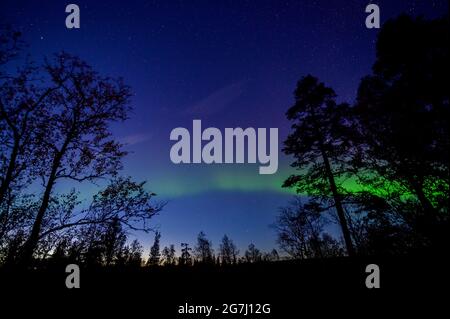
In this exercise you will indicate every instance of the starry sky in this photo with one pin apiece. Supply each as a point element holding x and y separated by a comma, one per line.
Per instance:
<point>228,63</point>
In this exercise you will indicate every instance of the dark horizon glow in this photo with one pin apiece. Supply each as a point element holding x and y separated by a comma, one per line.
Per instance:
<point>228,63</point>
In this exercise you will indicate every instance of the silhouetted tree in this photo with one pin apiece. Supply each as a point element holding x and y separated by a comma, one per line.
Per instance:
<point>60,250</point>
<point>11,45</point>
<point>168,254</point>
<point>75,139</point>
<point>20,105</point>
<point>299,227</point>
<point>403,112</point>
<point>122,203</point>
<point>272,256</point>
<point>330,247</point>
<point>252,254</point>
<point>135,254</point>
<point>93,257</point>
<point>55,125</point>
<point>228,252</point>
<point>114,239</point>
<point>203,251</point>
<point>15,243</point>
<point>153,259</point>
<point>15,217</point>
<point>319,146</point>
<point>185,258</point>
<point>123,256</point>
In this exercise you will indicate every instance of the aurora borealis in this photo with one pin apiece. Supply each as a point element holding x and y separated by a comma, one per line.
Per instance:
<point>230,64</point>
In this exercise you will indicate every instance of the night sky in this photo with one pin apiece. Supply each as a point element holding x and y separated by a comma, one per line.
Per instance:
<point>228,63</point>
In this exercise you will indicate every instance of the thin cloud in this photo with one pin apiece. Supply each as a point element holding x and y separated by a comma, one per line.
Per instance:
<point>134,139</point>
<point>218,100</point>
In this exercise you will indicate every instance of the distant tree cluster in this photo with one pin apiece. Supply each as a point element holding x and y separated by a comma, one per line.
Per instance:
<point>203,254</point>
<point>109,246</point>
<point>380,167</point>
<point>300,228</point>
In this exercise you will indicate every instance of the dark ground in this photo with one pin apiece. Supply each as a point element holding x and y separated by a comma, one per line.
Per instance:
<point>334,286</point>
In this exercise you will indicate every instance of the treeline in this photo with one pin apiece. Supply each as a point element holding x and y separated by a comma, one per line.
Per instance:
<point>108,246</point>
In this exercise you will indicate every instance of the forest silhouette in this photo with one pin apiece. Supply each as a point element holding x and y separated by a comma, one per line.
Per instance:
<point>392,143</point>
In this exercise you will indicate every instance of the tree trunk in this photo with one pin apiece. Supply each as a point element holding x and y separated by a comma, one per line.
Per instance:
<point>424,202</point>
<point>9,172</point>
<point>338,205</point>
<point>32,241</point>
